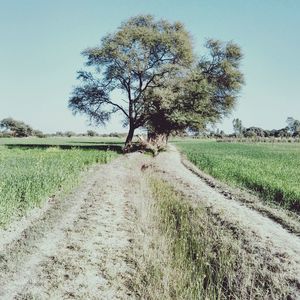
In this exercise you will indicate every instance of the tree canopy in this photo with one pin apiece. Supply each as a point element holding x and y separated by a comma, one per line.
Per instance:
<point>17,128</point>
<point>237,126</point>
<point>205,94</point>
<point>148,71</point>
<point>293,126</point>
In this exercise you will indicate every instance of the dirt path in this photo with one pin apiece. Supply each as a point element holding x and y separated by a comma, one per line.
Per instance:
<point>80,247</point>
<point>76,248</point>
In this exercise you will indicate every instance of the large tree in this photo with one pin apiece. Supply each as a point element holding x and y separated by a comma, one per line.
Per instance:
<point>161,85</point>
<point>137,58</point>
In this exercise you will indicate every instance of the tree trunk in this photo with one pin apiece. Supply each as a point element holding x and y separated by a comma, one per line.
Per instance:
<point>128,142</point>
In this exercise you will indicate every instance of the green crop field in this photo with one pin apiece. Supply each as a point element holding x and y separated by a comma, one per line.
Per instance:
<point>71,141</point>
<point>271,170</point>
<point>30,175</point>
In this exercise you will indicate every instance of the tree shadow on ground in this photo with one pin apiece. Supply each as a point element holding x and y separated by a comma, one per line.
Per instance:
<point>104,147</point>
<point>97,143</point>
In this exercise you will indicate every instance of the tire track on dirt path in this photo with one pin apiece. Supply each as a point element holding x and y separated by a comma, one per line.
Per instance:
<point>265,233</point>
<point>78,248</point>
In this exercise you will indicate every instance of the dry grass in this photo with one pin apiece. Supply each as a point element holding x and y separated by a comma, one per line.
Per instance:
<point>187,253</point>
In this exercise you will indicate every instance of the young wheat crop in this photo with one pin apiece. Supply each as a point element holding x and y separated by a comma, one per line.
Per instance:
<point>29,176</point>
<point>271,170</point>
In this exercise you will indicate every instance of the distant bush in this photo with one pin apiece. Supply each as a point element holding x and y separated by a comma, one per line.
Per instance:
<point>69,133</point>
<point>91,133</point>
<point>38,133</point>
<point>4,134</point>
<point>59,133</point>
<point>115,134</point>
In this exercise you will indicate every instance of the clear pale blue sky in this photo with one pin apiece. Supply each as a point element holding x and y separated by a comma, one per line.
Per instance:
<point>41,42</point>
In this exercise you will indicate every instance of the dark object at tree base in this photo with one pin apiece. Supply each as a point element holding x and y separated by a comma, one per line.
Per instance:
<point>154,144</point>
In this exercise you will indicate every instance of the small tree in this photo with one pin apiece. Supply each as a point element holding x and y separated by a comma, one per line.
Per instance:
<point>59,133</point>
<point>91,133</point>
<point>293,126</point>
<point>69,134</point>
<point>38,133</point>
<point>237,127</point>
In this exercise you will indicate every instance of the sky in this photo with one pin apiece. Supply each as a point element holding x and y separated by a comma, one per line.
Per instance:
<point>41,43</point>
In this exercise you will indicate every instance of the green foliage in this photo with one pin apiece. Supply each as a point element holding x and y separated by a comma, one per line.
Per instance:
<point>91,133</point>
<point>27,177</point>
<point>132,60</point>
<point>16,128</point>
<point>201,95</point>
<point>273,171</point>
<point>38,133</point>
<point>237,126</point>
<point>293,126</point>
<point>69,133</point>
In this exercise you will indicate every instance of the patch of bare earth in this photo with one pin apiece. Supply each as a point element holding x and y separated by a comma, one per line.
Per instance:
<point>78,247</point>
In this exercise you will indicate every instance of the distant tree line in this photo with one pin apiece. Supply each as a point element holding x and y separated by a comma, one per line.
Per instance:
<point>14,128</point>
<point>291,130</point>
<point>10,127</point>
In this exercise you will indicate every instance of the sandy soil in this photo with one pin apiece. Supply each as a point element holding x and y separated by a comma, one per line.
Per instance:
<point>79,247</point>
<point>76,248</point>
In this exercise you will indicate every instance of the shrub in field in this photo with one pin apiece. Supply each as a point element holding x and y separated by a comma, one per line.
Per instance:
<point>39,134</point>
<point>92,133</point>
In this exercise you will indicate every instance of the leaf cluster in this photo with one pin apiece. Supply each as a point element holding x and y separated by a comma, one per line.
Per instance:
<point>131,61</point>
<point>204,94</point>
